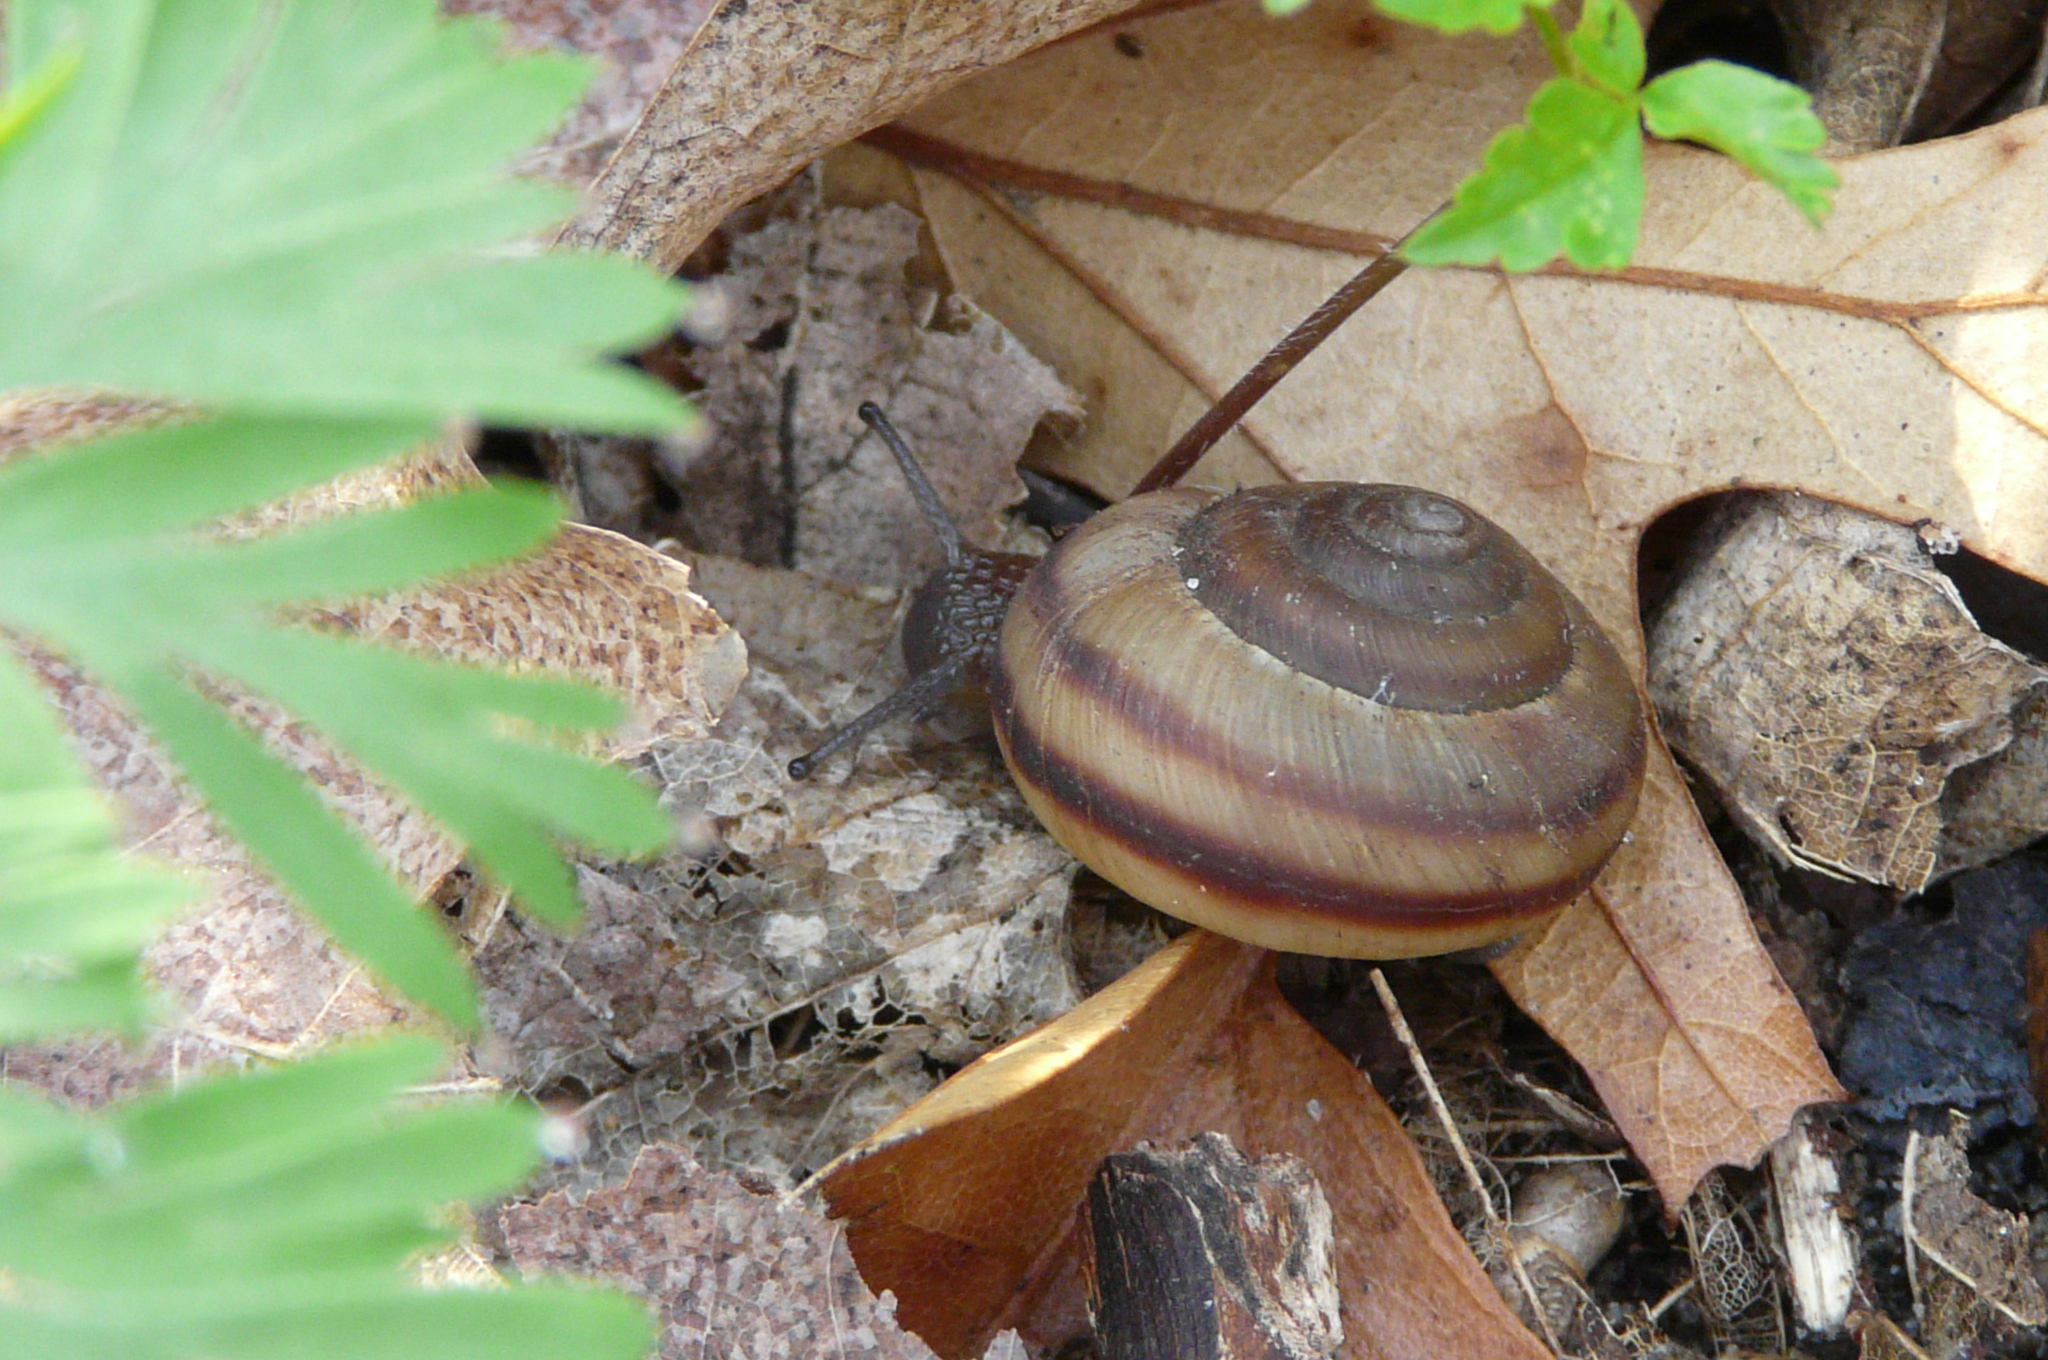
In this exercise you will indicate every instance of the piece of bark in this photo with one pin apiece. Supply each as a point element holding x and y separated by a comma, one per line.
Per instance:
<point>1826,679</point>
<point>1198,1254</point>
<point>2037,1021</point>
<point>1970,1264</point>
<point>1820,1255</point>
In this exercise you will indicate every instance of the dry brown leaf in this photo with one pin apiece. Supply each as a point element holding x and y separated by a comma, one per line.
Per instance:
<point>830,285</point>
<point>965,1206</point>
<point>1890,362</point>
<point>768,84</point>
<point>724,1266</point>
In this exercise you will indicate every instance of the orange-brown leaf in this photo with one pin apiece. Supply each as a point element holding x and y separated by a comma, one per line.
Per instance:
<point>965,1205</point>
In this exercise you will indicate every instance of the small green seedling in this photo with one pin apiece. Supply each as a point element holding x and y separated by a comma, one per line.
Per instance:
<point>1569,179</point>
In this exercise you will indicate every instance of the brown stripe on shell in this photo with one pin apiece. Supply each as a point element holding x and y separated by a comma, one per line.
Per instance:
<point>1390,592</point>
<point>1552,769</point>
<point>1239,872</point>
<point>1174,725</point>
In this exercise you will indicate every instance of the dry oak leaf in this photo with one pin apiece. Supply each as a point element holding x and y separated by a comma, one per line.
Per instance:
<point>966,1205</point>
<point>766,85</point>
<point>1150,208</point>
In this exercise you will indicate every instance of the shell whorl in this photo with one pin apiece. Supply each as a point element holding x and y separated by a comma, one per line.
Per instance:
<point>1331,718</point>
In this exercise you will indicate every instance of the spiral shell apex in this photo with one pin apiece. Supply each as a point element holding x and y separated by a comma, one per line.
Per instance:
<point>1349,720</point>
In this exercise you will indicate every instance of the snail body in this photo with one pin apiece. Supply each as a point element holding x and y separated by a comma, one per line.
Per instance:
<point>1358,721</point>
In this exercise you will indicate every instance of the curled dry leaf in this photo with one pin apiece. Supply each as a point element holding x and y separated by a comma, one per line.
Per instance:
<point>966,1205</point>
<point>1885,363</point>
<point>1827,679</point>
<point>768,84</point>
<point>727,1269</point>
<point>1886,71</point>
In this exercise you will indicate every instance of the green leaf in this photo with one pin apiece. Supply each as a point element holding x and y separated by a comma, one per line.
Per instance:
<point>1462,16</point>
<point>302,205</point>
<point>1570,180</point>
<point>252,1218</point>
<point>334,874</point>
<point>28,97</point>
<point>1761,121</point>
<point>107,551</point>
<point>74,912</point>
<point>1607,47</point>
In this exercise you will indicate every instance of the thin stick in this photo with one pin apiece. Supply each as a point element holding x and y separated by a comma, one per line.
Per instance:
<point>1499,1228</point>
<point>1909,1176</point>
<point>1266,374</point>
<point>1663,1305</point>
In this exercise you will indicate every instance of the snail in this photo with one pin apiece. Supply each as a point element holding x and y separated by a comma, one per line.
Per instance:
<point>1358,721</point>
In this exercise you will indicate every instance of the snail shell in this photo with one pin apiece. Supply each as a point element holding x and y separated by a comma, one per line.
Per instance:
<point>1348,720</point>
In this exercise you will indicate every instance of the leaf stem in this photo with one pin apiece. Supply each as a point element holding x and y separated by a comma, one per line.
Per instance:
<point>1553,40</point>
<point>1278,362</point>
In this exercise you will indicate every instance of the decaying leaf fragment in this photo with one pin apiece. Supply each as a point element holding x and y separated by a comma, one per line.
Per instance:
<point>820,318</point>
<point>965,1206</point>
<point>1827,679</point>
<point>727,1269</point>
<point>1970,1264</point>
<point>825,950</point>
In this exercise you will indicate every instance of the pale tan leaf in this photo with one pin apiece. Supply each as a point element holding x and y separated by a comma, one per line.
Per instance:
<point>1891,362</point>
<point>965,1206</point>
